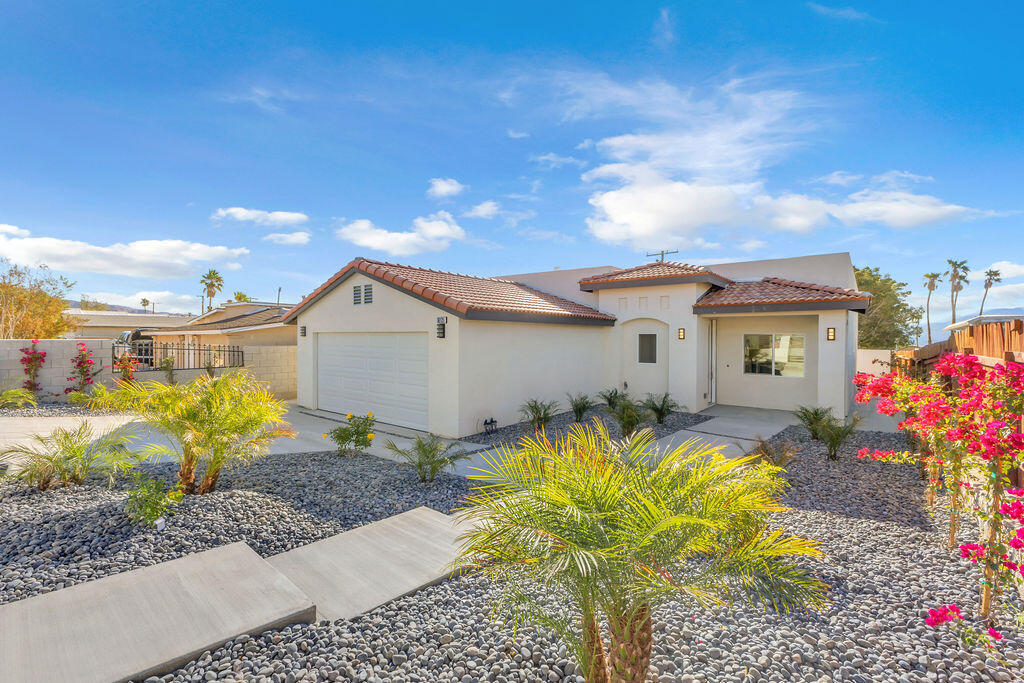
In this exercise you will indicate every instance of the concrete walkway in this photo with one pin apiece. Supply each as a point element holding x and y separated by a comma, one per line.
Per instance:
<point>733,427</point>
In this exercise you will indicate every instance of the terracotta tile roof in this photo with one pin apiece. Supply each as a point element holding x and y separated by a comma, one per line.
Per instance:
<point>658,270</point>
<point>773,290</point>
<point>263,316</point>
<point>473,297</point>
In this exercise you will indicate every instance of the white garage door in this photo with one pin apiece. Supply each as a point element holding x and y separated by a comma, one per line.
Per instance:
<point>381,373</point>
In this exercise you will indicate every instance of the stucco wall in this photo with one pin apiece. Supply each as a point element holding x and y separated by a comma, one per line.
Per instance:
<point>502,364</point>
<point>866,360</point>
<point>391,311</point>
<point>822,269</point>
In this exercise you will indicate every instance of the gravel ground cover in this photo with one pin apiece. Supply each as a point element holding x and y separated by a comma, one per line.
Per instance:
<point>53,410</point>
<point>560,423</point>
<point>883,563</point>
<point>57,538</point>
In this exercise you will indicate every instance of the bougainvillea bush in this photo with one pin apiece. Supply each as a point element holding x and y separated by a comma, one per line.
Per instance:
<point>32,359</point>
<point>966,419</point>
<point>82,370</point>
<point>126,365</point>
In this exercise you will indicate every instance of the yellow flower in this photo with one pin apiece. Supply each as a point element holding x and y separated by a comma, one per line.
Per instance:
<point>369,415</point>
<point>324,435</point>
<point>349,416</point>
<point>370,436</point>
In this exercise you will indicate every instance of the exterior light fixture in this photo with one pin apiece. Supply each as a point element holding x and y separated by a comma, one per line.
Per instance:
<point>682,333</point>
<point>302,330</point>
<point>442,320</point>
<point>830,334</point>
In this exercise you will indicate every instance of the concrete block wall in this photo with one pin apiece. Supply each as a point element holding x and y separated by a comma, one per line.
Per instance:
<point>57,368</point>
<point>276,366</point>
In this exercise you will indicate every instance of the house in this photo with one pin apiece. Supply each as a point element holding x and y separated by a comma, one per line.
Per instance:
<point>444,352</point>
<point>255,323</point>
<point>110,324</point>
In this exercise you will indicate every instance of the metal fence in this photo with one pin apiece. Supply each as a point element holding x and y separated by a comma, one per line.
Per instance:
<point>150,355</point>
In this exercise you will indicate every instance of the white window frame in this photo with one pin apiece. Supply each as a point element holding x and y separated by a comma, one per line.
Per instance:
<point>773,335</point>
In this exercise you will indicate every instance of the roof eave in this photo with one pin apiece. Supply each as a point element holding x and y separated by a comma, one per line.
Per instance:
<point>705,278</point>
<point>857,305</point>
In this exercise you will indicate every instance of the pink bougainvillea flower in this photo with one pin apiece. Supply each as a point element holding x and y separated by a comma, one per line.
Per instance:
<point>995,635</point>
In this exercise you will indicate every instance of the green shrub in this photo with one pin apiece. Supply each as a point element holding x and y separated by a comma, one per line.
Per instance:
<point>612,396</point>
<point>167,365</point>
<point>429,455</point>
<point>778,455</point>
<point>834,432</point>
<point>660,406</point>
<point>580,404</point>
<point>538,413</point>
<point>150,500</point>
<point>355,435</point>
<point>17,398</point>
<point>70,456</point>
<point>812,418</point>
<point>629,414</point>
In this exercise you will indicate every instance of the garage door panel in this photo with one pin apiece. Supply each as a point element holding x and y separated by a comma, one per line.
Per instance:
<point>381,373</point>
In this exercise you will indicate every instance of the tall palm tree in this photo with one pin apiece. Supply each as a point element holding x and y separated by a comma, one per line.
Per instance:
<point>992,276</point>
<point>212,283</point>
<point>957,280</point>
<point>145,305</point>
<point>617,530</point>
<point>240,297</point>
<point>931,281</point>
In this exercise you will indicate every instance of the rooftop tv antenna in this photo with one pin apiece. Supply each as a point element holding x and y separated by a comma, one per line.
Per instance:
<point>661,254</point>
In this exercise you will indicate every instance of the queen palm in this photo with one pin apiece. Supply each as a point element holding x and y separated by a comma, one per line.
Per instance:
<point>992,276</point>
<point>931,282</point>
<point>617,528</point>
<point>240,297</point>
<point>212,283</point>
<point>957,279</point>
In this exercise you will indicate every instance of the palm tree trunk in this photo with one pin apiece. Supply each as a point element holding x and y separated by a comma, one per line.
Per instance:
<point>928,315</point>
<point>629,652</point>
<point>187,472</point>
<point>983,297</point>
<point>952,299</point>
<point>595,662</point>
<point>209,482</point>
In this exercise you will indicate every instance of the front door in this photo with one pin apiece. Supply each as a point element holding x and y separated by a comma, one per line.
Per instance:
<point>712,362</point>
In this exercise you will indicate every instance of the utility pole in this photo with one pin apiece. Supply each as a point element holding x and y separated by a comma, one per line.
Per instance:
<point>661,254</point>
<point>278,296</point>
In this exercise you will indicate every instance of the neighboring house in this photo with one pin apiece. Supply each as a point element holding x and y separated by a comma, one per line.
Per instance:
<point>110,324</point>
<point>253,323</point>
<point>443,352</point>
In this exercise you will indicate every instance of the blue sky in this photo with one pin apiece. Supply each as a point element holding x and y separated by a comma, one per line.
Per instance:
<point>143,143</point>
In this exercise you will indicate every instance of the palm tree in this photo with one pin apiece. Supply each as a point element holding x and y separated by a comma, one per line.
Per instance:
<point>145,305</point>
<point>212,282</point>
<point>992,276</point>
<point>618,528</point>
<point>931,281</point>
<point>240,297</point>
<point>957,279</point>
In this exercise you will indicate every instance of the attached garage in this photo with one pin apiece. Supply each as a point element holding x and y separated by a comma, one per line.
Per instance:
<point>382,373</point>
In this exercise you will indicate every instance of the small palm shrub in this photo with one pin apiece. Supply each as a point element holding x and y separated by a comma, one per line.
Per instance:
<point>538,413</point>
<point>779,455</point>
<point>617,529</point>
<point>580,404</point>
<point>211,422</point>
<point>660,406</point>
<point>834,432</point>
<point>167,366</point>
<point>612,396</point>
<point>629,414</point>
<point>17,398</point>
<point>813,417</point>
<point>429,455</point>
<point>354,436</point>
<point>150,500</point>
<point>68,456</point>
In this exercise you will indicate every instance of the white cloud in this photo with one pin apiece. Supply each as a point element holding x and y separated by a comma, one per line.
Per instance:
<point>895,180</point>
<point>841,178</point>
<point>292,238</point>
<point>848,13</point>
<point>663,34</point>
<point>260,217</point>
<point>795,212</point>
<point>268,99</point>
<point>487,209</point>
<point>165,301</point>
<point>1007,270</point>
<point>432,233</point>
<point>516,134</point>
<point>534,234</point>
<point>552,160</point>
<point>586,144</point>
<point>899,209</point>
<point>752,245</point>
<point>7,229</point>
<point>442,188</point>
<point>142,258</point>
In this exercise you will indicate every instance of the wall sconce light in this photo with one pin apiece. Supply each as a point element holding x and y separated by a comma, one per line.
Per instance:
<point>682,333</point>
<point>441,321</point>
<point>830,333</point>
<point>302,330</point>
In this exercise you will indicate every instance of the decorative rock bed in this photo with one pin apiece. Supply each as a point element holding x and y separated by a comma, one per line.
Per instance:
<point>883,563</point>
<point>64,536</point>
<point>53,410</point>
<point>560,423</point>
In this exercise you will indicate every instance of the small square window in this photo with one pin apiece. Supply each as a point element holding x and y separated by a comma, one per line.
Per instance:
<point>367,294</point>
<point>647,348</point>
<point>357,295</point>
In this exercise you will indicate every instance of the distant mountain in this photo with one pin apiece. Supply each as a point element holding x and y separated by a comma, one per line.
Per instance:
<point>938,333</point>
<point>110,307</point>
